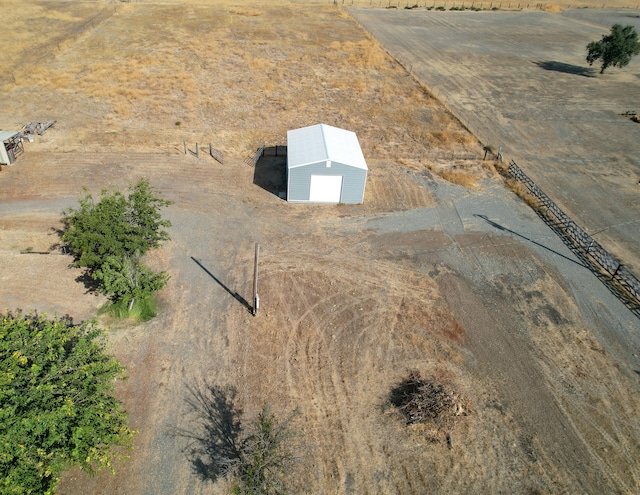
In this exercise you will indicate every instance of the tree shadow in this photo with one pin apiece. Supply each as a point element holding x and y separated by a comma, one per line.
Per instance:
<point>92,286</point>
<point>59,232</point>
<point>235,295</point>
<point>213,434</point>
<point>270,171</point>
<point>577,70</point>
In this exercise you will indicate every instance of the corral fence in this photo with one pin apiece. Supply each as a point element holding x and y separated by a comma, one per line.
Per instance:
<point>264,150</point>
<point>460,5</point>
<point>614,274</point>
<point>213,152</point>
<point>449,156</point>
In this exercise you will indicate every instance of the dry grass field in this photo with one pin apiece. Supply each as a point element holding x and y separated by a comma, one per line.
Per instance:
<point>352,297</point>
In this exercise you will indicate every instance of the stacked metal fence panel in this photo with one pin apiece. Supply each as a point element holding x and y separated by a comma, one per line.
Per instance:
<point>577,237</point>
<point>264,150</point>
<point>216,154</point>
<point>253,158</point>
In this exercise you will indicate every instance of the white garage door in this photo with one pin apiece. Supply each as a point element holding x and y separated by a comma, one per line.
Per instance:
<point>325,188</point>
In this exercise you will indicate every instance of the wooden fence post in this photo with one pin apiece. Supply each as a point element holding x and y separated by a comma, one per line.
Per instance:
<point>256,298</point>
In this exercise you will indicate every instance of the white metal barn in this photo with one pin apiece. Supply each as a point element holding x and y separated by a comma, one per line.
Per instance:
<point>325,164</point>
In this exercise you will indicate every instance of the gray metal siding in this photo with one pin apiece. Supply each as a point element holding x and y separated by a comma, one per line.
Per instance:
<point>353,182</point>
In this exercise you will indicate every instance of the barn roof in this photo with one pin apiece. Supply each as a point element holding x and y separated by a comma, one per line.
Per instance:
<point>323,142</point>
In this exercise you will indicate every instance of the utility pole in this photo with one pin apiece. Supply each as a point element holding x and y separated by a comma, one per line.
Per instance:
<point>256,298</point>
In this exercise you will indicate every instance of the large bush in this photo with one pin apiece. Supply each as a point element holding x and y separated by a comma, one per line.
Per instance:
<point>109,238</point>
<point>57,407</point>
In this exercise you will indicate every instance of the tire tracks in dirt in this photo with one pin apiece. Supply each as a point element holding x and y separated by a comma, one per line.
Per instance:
<point>330,354</point>
<point>506,357</point>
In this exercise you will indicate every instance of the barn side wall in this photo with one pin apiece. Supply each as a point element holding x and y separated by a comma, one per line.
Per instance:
<point>353,182</point>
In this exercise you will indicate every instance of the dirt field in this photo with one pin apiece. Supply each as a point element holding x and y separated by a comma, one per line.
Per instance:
<point>463,283</point>
<point>509,86</point>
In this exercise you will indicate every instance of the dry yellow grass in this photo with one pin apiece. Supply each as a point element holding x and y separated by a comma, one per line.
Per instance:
<point>196,72</point>
<point>552,7</point>
<point>247,12</point>
<point>521,190</point>
<point>460,178</point>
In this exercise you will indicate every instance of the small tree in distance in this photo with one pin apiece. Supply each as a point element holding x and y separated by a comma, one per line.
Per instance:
<point>615,49</point>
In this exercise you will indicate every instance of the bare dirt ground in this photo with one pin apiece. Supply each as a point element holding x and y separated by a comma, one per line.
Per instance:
<point>464,284</point>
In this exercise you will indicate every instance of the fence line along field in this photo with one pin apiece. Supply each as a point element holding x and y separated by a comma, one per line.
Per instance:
<point>456,281</point>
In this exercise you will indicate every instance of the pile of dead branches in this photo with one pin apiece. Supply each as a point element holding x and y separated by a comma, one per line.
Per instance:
<point>431,405</point>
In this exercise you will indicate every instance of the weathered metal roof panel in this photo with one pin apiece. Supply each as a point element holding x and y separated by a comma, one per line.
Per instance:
<point>321,142</point>
<point>4,135</point>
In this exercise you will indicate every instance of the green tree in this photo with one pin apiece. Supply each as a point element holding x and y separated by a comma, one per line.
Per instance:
<point>127,280</point>
<point>57,407</point>
<point>110,236</point>
<point>116,225</point>
<point>614,49</point>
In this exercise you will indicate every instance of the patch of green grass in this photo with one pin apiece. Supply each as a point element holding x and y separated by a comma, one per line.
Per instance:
<point>142,310</point>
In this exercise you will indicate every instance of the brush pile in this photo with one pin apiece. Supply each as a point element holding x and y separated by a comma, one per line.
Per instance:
<point>430,406</point>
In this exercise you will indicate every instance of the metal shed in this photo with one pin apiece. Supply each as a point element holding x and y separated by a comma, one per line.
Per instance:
<point>10,147</point>
<point>325,164</point>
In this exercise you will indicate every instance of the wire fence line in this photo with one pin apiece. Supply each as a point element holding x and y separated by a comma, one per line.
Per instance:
<point>618,278</point>
<point>264,150</point>
<point>461,4</point>
<point>214,153</point>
